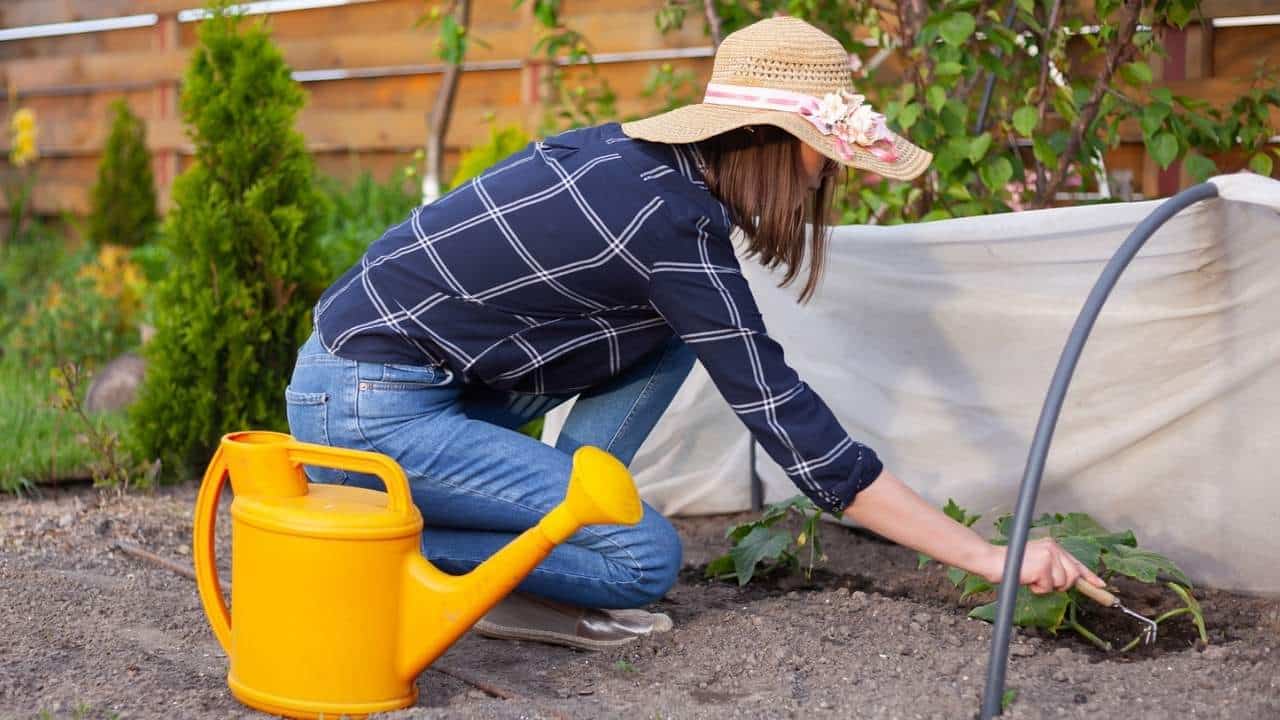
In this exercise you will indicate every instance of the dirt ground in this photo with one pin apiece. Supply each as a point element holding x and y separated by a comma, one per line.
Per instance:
<point>89,632</point>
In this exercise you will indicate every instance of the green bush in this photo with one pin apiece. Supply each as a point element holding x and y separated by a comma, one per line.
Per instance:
<point>358,215</point>
<point>502,142</point>
<point>123,201</point>
<point>244,270</point>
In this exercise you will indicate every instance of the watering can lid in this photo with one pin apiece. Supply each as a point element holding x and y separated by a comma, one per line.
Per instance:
<point>328,511</point>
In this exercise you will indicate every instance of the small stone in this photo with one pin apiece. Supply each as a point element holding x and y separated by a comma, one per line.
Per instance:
<point>1215,652</point>
<point>1080,698</point>
<point>1022,651</point>
<point>842,591</point>
<point>948,620</point>
<point>1063,653</point>
<point>906,650</point>
<point>103,527</point>
<point>66,520</point>
<point>757,621</point>
<point>183,550</point>
<point>922,618</point>
<point>858,599</point>
<point>793,595</point>
<point>563,692</point>
<point>916,626</point>
<point>476,695</point>
<point>825,705</point>
<point>1059,676</point>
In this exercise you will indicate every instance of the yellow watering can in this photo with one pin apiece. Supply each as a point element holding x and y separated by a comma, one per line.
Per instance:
<point>336,610</point>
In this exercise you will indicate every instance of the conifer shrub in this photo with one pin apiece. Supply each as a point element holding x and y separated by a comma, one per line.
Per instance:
<point>123,201</point>
<point>243,270</point>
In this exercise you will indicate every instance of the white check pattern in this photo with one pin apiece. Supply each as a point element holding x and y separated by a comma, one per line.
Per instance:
<point>563,265</point>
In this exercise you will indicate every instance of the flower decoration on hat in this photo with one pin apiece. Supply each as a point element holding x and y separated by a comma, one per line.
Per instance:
<point>849,118</point>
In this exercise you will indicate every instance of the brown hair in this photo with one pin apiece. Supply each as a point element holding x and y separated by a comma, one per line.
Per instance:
<point>755,171</point>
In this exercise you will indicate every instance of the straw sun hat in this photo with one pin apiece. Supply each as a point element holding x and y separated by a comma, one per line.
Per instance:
<point>787,73</point>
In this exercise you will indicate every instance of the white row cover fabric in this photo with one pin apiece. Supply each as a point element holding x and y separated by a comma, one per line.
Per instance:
<point>934,344</point>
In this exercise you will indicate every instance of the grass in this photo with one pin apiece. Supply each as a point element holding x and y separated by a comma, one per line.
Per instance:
<point>38,442</point>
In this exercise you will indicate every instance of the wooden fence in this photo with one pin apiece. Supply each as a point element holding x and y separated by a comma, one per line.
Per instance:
<point>371,76</point>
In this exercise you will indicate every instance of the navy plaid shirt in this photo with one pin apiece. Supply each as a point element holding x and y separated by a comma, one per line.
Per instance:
<point>565,263</point>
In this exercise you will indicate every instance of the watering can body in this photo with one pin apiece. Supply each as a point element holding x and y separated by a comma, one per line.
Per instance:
<point>335,609</point>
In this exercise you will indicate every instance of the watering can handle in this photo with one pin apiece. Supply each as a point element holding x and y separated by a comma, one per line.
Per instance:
<point>203,523</point>
<point>370,463</point>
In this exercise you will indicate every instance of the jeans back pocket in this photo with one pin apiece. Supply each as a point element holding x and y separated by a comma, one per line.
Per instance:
<point>308,415</point>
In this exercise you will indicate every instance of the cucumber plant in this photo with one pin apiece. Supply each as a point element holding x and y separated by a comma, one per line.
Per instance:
<point>759,541</point>
<point>1106,553</point>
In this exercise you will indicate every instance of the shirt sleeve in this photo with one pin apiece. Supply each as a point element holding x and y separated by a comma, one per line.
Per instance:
<point>704,297</point>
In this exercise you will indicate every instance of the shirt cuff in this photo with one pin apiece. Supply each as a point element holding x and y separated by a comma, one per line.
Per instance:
<point>865,470</point>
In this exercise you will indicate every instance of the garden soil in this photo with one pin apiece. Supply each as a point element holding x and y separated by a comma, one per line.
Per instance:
<point>89,632</point>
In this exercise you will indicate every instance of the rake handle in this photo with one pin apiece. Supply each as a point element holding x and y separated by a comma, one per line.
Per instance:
<point>1096,594</point>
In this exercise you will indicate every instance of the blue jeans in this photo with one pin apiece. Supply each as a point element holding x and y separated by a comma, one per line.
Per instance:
<point>478,482</point>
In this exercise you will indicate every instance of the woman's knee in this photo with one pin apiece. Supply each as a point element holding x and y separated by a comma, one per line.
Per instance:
<point>654,546</point>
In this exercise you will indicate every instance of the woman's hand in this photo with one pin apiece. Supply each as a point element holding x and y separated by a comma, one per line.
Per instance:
<point>1046,567</point>
<point>891,509</point>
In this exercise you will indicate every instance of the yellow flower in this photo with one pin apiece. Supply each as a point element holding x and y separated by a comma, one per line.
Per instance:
<point>23,128</point>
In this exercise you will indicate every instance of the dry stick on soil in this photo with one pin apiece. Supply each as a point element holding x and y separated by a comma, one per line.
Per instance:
<point>129,548</point>
<point>483,686</point>
<point>1120,53</point>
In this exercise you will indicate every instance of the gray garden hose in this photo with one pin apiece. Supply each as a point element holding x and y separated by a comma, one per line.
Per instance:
<point>999,658</point>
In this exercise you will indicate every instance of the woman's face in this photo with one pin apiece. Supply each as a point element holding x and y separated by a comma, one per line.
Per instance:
<point>814,166</point>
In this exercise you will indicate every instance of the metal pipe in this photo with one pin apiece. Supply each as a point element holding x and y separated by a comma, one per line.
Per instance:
<point>998,662</point>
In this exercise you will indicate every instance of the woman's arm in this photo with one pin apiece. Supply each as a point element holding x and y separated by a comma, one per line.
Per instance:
<point>889,508</point>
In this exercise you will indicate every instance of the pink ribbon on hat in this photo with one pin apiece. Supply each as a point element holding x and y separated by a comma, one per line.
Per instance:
<point>844,115</point>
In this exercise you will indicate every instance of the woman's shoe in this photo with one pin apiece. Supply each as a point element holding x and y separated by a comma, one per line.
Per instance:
<point>525,617</point>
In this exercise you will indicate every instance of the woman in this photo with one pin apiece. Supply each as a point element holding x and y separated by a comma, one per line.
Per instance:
<point>598,264</point>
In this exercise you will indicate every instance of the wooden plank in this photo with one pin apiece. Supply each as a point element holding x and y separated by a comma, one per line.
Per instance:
<point>122,40</point>
<point>502,41</point>
<point>20,13</point>
<point>1237,50</point>
<point>1238,8</point>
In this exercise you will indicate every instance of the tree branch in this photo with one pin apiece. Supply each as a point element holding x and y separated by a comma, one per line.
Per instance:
<point>441,113</point>
<point>1042,97</point>
<point>713,22</point>
<point>1121,51</point>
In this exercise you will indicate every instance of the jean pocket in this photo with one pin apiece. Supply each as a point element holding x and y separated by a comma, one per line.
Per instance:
<point>308,415</point>
<point>393,376</point>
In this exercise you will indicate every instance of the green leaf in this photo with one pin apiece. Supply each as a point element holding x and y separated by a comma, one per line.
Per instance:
<point>974,584</point>
<point>947,69</point>
<point>1004,523</point>
<point>1152,118</point>
<point>996,173</point>
<point>779,510</point>
<point>1028,6</point>
<point>1141,565</point>
<point>956,28</point>
<point>1077,524</point>
<point>1086,550</point>
<point>1030,610</point>
<point>1163,148</point>
<point>1007,698</point>
<point>1136,73</point>
<point>1199,167</point>
<point>935,97</point>
<point>721,567</point>
<point>760,544</point>
<point>1261,164</point>
<point>977,150</point>
<point>922,561</point>
<point>956,575</point>
<point>953,510</point>
<point>908,115</point>
<point>1024,120</point>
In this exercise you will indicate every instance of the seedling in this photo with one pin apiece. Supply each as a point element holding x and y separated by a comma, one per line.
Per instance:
<point>1104,552</point>
<point>759,541</point>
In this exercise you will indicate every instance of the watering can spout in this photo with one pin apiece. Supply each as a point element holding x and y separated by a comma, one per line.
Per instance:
<point>437,607</point>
